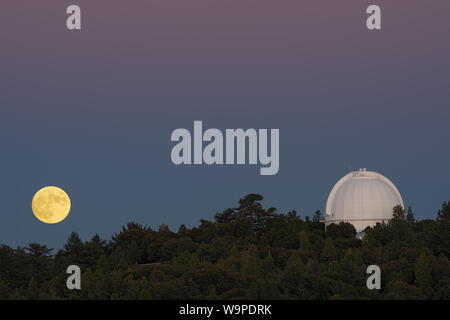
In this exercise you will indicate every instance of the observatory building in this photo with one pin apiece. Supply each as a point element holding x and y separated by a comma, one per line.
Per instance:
<point>362,198</point>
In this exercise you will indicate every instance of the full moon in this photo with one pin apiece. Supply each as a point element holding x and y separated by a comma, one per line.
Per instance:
<point>51,205</point>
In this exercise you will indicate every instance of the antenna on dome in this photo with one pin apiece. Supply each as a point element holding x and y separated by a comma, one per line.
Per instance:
<point>362,172</point>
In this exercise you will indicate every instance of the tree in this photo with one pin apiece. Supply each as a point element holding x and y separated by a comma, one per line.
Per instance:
<point>444,213</point>
<point>398,213</point>
<point>182,230</point>
<point>235,252</point>
<point>400,290</point>
<point>186,259</point>
<point>295,261</point>
<point>410,215</point>
<point>74,244</point>
<point>73,249</point>
<point>441,236</point>
<point>305,245</point>
<point>4,290</point>
<point>286,257</point>
<point>317,221</point>
<point>102,264</point>
<point>317,217</point>
<point>251,209</point>
<point>207,253</point>
<point>267,266</point>
<point>422,272</point>
<point>38,250</point>
<point>93,250</point>
<point>225,217</point>
<point>32,291</point>
<point>341,230</point>
<point>329,251</point>
<point>251,268</point>
<point>40,264</point>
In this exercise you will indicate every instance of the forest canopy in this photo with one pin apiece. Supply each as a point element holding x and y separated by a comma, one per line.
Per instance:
<point>246,252</point>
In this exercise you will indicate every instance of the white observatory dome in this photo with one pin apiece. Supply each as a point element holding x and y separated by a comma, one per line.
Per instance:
<point>362,198</point>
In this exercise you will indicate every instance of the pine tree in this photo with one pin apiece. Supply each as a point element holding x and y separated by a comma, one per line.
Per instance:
<point>38,250</point>
<point>444,213</point>
<point>32,291</point>
<point>74,243</point>
<point>102,264</point>
<point>235,252</point>
<point>304,245</point>
<point>442,233</point>
<point>317,217</point>
<point>93,250</point>
<point>295,261</point>
<point>251,268</point>
<point>186,258</point>
<point>122,266</point>
<point>267,265</point>
<point>410,215</point>
<point>73,250</point>
<point>329,251</point>
<point>4,290</point>
<point>422,272</point>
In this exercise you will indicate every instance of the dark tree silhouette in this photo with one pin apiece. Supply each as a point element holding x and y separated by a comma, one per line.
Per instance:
<point>247,252</point>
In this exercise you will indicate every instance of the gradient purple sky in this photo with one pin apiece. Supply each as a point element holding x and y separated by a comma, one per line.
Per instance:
<point>92,111</point>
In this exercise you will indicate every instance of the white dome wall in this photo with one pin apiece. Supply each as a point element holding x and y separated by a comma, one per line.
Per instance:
<point>362,198</point>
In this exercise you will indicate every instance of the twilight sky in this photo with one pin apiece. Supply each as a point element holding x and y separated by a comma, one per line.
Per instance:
<point>92,111</point>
